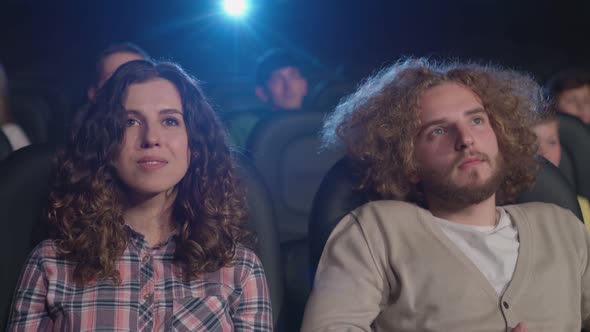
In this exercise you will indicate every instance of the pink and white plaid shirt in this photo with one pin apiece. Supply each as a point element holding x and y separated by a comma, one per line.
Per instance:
<point>151,296</point>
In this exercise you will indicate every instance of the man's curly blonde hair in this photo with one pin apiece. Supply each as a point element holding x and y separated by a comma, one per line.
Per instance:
<point>379,122</point>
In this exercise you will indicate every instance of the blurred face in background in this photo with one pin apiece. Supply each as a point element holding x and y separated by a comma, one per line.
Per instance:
<point>576,102</point>
<point>108,66</point>
<point>284,90</point>
<point>548,141</point>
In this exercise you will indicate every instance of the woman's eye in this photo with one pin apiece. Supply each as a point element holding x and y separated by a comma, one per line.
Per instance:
<point>131,122</point>
<point>171,122</point>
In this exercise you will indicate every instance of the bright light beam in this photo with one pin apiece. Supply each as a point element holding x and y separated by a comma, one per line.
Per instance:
<point>235,8</point>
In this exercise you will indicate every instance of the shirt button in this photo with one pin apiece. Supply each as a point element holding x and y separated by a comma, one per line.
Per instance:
<point>505,304</point>
<point>146,259</point>
<point>147,297</point>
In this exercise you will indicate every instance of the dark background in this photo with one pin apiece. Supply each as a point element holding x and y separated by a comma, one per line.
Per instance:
<point>55,42</point>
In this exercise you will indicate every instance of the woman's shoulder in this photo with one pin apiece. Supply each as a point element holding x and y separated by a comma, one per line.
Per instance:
<point>45,251</point>
<point>245,256</point>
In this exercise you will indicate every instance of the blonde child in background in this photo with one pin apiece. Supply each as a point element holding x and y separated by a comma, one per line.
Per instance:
<point>547,131</point>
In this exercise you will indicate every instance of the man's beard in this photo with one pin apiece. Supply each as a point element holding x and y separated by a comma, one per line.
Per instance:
<point>452,197</point>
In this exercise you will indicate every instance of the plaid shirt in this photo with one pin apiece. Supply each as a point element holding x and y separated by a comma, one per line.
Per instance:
<point>151,296</point>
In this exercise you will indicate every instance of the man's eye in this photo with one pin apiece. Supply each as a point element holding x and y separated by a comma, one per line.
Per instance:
<point>477,120</point>
<point>438,131</point>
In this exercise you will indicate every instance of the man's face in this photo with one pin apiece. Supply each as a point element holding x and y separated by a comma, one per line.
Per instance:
<point>285,89</point>
<point>459,163</point>
<point>576,102</point>
<point>111,63</point>
<point>548,141</point>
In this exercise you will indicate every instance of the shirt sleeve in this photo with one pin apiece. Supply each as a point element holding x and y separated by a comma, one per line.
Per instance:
<point>349,289</point>
<point>252,310</point>
<point>28,311</point>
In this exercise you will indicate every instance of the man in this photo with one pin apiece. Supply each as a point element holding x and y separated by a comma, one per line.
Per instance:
<point>279,82</point>
<point>109,60</point>
<point>280,85</point>
<point>571,91</point>
<point>454,142</point>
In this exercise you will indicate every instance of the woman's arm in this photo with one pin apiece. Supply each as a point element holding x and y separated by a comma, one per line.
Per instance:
<point>28,311</point>
<point>252,310</point>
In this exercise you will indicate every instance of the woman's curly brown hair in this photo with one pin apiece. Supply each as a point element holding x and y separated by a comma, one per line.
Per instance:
<point>379,122</point>
<point>86,212</point>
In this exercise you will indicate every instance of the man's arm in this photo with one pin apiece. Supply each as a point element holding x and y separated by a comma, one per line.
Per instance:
<point>586,281</point>
<point>349,289</point>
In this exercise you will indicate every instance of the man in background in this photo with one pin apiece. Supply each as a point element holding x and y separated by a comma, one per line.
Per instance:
<point>109,60</point>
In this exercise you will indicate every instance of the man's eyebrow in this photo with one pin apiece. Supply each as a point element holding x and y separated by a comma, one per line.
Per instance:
<point>475,111</point>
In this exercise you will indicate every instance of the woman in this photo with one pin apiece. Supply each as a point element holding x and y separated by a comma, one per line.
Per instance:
<point>148,219</point>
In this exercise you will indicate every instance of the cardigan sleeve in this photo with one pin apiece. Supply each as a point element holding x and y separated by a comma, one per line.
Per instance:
<point>349,289</point>
<point>585,264</point>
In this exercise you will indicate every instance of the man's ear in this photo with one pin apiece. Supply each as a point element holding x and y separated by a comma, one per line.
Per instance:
<point>261,94</point>
<point>91,93</point>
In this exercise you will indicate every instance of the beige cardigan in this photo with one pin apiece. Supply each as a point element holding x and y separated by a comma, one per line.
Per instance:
<point>388,266</point>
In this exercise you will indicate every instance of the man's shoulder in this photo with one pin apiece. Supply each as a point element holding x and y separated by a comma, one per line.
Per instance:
<point>548,215</point>
<point>388,214</point>
<point>387,206</point>
<point>538,209</point>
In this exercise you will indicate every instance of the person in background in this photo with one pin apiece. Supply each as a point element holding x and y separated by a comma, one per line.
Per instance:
<point>109,60</point>
<point>549,145</point>
<point>446,148</point>
<point>15,134</point>
<point>148,219</point>
<point>280,85</point>
<point>571,91</point>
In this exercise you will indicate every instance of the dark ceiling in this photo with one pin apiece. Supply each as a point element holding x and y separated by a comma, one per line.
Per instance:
<point>57,40</point>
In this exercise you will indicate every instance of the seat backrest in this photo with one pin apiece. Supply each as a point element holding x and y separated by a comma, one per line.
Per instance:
<point>262,220</point>
<point>566,166</point>
<point>575,140</point>
<point>5,146</point>
<point>240,124</point>
<point>24,190</point>
<point>327,94</point>
<point>285,148</point>
<point>33,114</point>
<point>336,198</point>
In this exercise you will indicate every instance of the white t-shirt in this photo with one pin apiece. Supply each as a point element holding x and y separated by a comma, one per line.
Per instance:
<point>16,136</point>
<point>493,249</point>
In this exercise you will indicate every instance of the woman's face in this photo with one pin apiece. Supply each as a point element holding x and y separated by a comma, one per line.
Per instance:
<point>154,155</point>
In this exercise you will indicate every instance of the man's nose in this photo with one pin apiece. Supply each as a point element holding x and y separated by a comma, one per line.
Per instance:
<point>464,138</point>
